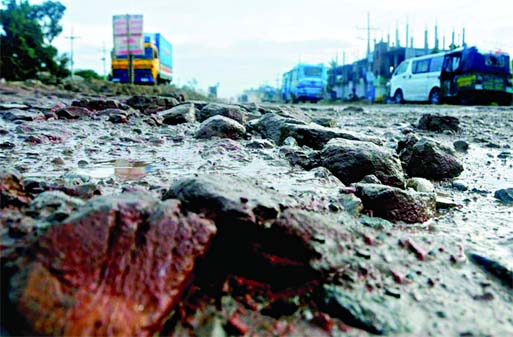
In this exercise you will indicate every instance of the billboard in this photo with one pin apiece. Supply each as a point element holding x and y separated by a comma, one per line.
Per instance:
<point>128,35</point>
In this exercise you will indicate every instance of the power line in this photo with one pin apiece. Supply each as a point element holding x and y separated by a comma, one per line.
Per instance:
<point>72,38</point>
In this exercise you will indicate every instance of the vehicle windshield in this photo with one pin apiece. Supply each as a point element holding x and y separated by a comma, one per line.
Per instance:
<point>148,54</point>
<point>312,71</point>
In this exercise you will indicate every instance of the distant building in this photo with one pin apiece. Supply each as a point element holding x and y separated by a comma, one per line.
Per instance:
<point>367,78</point>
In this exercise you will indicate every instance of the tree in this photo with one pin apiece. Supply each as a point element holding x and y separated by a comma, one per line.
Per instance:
<point>88,74</point>
<point>26,48</point>
<point>49,14</point>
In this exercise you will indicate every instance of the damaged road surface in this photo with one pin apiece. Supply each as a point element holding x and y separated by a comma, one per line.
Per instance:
<point>144,216</point>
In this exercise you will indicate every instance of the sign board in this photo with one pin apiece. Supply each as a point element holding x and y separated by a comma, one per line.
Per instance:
<point>128,34</point>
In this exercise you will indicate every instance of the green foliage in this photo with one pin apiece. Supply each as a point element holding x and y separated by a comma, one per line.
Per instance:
<point>88,74</point>
<point>49,14</point>
<point>25,48</point>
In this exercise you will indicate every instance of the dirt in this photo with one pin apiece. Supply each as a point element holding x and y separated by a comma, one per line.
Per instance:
<point>400,280</point>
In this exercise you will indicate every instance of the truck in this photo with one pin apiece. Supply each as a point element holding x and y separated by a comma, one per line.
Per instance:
<point>305,82</point>
<point>154,67</point>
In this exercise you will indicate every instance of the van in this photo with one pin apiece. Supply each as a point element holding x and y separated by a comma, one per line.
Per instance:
<point>417,79</point>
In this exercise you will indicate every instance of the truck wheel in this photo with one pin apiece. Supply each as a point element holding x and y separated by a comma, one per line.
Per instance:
<point>434,96</point>
<point>398,97</point>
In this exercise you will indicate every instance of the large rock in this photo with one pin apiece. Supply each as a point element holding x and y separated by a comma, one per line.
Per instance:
<point>351,161</point>
<point>504,195</point>
<point>229,201</point>
<point>22,115</point>
<point>12,191</point>
<point>73,112</point>
<point>371,312</point>
<point>395,204</point>
<point>438,123</point>
<point>99,104</point>
<point>117,267</point>
<point>310,242</point>
<point>184,113</point>
<point>428,159</point>
<point>152,104</point>
<point>307,159</point>
<point>260,241</point>
<point>53,206</point>
<point>234,112</point>
<point>220,126</point>
<point>278,128</point>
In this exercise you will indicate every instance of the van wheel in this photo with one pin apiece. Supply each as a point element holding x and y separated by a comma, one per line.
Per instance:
<point>398,97</point>
<point>434,96</point>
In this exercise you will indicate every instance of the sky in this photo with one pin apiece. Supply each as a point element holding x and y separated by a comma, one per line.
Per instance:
<point>243,44</point>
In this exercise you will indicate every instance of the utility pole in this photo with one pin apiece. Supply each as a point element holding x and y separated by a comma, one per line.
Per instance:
<point>104,60</point>
<point>368,29</point>
<point>72,38</point>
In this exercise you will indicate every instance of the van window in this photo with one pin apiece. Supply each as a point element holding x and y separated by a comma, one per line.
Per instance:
<point>402,68</point>
<point>421,66</point>
<point>436,64</point>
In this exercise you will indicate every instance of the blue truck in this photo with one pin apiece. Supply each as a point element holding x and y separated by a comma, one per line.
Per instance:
<point>154,67</point>
<point>305,82</point>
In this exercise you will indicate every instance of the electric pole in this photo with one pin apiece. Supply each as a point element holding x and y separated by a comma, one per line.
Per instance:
<point>104,60</point>
<point>368,29</point>
<point>72,38</point>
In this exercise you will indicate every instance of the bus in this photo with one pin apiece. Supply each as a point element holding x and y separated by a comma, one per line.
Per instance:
<point>304,83</point>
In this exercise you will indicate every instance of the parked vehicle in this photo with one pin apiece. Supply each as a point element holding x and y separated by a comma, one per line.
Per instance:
<point>305,82</point>
<point>154,67</point>
<point>471,76</point>
<point>418,79</point>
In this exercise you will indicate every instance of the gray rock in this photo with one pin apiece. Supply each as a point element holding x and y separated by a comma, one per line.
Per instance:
<point>460,185</point>
<point>301,157</point>
<point>420,185</point>
<point>461,146</point>
<point>395,204</point>
<point>351,203</point>
<point>278,128</point>
<point>220,126</point>
<point>325,121</point>
<point>498,269</point>
<point>7,106</point>
<point>290,141</point>
<point>505,195</point>
<point>310,239</point>
<point>151,104</point>
<point>234,112</point>
<point>53,206</point>
<point>260,144</point>
<point>429,159</point>
<point>229,201</point>
<point>438,123</point>
<point>370,179</point>
<point>21,115</point>
<point>371,312</point>
<point>184,113</point>
<point>351,161</point>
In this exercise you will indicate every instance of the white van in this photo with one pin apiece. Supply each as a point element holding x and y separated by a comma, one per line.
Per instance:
<point>417,79</point>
